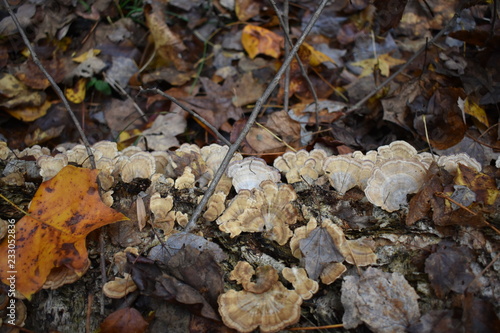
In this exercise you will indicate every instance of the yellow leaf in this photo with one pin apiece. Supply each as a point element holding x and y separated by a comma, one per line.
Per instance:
<point>257,40</point>
<point>476,111</point>
<point>89,54</point>
<point>316,57</point>
<point>77,94</point>
<point>30,113</point>
<point>384,62</point>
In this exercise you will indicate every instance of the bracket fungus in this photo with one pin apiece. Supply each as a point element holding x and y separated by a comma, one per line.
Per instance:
<point>186,180</point>
<point>450,162</point>
<point>343,172</point>
<point>50,166</point>
<point>250,172</point>
<point>164,216</point>
<point>400,150</point>
<point>303,285</point>
<point>267,209</point>
<point>139,165</point>
<point>213,156</point>
<point>107,149</point>
<point>215,206</point>
<point>272,309</point>
<point>392,181</point>
<point>301,165</point>
<point>119,287</point>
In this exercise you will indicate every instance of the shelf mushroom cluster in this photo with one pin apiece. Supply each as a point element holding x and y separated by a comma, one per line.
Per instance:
<point>386,175</point>
<point>262,204</point>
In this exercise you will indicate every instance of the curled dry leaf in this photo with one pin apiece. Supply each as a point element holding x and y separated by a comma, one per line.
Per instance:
<point>385,302</point>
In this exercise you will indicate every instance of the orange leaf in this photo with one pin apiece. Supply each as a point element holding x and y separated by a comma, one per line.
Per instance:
<point>257,40</point>
<point>63,212</point>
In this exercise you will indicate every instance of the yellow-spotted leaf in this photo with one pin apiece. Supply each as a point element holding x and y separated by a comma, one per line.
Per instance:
<point>77,93</point>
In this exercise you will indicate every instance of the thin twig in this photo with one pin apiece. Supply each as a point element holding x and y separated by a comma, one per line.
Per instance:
<point>191,112</point>
<point>301,65</point>
<point>251,119</point>
<point>286,30</point>
<point>403,67</point>
<point>113,83</point>
<point>275,136</point>
<point>52,83</point>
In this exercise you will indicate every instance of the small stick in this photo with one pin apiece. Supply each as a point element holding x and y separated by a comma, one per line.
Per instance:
<point>52,83</point>
<point>251,120</point>
<point>191,112</point>
<point>276,137</point>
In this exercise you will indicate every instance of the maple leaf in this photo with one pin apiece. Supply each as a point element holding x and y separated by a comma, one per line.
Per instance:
<point>63,212</point>
<point>384,63</point>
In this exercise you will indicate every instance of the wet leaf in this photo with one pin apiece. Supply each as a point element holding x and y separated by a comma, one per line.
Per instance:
<point>443,119</point>
<point>127,320</point>
<point>183,275</point>
<point>63,212</point>
<point>479,315</point>
<point>257,40</point>
<point>389,13</point>
<point>385,302</point>
<point>319,250</point>
<point>449,269</point>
